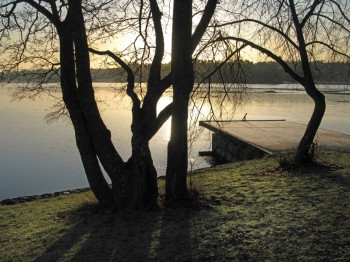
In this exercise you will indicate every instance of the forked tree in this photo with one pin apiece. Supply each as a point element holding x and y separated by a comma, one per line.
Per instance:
<point>180,78</point>
<point>188,46</point>
<point>51,36</point>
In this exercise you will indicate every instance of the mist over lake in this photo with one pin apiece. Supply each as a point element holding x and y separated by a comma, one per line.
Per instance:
<point>37,157</point>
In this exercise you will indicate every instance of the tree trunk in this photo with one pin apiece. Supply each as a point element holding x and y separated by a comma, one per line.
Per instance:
<point>134,184</point>
<point>100,135</point>
<point>176,173</point>
<point>97,182</point>
<point>142,175</point>
<point>303,154</point>
<point>182,79</point>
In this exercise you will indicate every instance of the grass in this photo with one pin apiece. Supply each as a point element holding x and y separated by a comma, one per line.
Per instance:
<point>247,211</point>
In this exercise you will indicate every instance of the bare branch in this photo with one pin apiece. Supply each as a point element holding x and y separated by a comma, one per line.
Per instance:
<point>217,68</point>
<point>163,116</point>
<point>265,25</point>
<point>341,10</point>
<point>310,13</point>
<point>268,53</point>
<point>44,11</point>
<point>130,79</point>
<point>204,22</point>
<point>159,52</point>
<point>331,48</point>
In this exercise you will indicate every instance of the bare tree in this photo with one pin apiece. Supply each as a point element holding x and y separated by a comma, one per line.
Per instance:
<point>181,78</point>
<point>67,31</point>
<point>65,23</point>
<point>295,34</point>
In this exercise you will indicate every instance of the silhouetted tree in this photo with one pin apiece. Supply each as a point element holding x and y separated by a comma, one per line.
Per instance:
<point>52,36</point>
<point>180,77</point>
<point>295,34</point>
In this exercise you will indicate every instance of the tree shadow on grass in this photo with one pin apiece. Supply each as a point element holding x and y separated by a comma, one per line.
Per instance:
<point>176,241</point>
<point>161,235</point>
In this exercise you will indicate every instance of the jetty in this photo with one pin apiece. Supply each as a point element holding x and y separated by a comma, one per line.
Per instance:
<point>239,140</point>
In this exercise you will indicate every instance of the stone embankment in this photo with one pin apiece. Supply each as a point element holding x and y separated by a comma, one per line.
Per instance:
<point>18,200</point>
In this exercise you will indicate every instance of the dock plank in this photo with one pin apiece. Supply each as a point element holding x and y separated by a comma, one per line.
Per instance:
<point>274,136</point>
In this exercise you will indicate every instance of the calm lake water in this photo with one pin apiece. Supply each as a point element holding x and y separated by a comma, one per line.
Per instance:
<point>37,157</point>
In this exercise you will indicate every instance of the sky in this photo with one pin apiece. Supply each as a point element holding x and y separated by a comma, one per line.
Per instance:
<point>121,41</point>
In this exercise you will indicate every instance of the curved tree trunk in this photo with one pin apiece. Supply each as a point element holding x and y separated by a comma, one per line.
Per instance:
<point>100,135</point>
<point>97,182</point>
<point>134,184</point>
<point>92,136</point>
<point>303,154</point>
<point>303,151</point>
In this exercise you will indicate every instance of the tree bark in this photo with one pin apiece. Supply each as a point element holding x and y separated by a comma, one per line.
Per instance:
<point>97,182</point>
<point>303,154</point>
<point>135,183</point>
<point>142,175</point>
<point>142,187</point>
<point>176,173</point>
<point>100,135</point>
<point>183,80</point>
<point>303,151</point>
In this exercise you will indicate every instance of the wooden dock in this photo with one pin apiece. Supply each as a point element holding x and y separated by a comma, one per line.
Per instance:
<point>240,140</point>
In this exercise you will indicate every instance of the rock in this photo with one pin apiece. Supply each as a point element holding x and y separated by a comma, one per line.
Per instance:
<point>17,200</point>
<point>8,202</point>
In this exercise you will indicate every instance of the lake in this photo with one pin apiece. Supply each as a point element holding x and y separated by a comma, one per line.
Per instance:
<point>37,157</point>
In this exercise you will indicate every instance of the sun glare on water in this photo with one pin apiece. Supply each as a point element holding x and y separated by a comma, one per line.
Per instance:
<point>165,131</point>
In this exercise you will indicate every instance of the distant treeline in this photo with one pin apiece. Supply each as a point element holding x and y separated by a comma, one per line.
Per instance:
<point>252,73</point>
<point>273,73</point>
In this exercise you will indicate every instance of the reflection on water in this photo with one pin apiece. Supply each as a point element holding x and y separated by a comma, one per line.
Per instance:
<point>164,132</point>
<point>36,157</point>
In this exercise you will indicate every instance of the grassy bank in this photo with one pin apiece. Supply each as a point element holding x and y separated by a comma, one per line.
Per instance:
<point>247,211</point>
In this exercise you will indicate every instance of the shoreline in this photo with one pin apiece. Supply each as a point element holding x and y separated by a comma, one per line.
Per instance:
<point>24,199</point>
